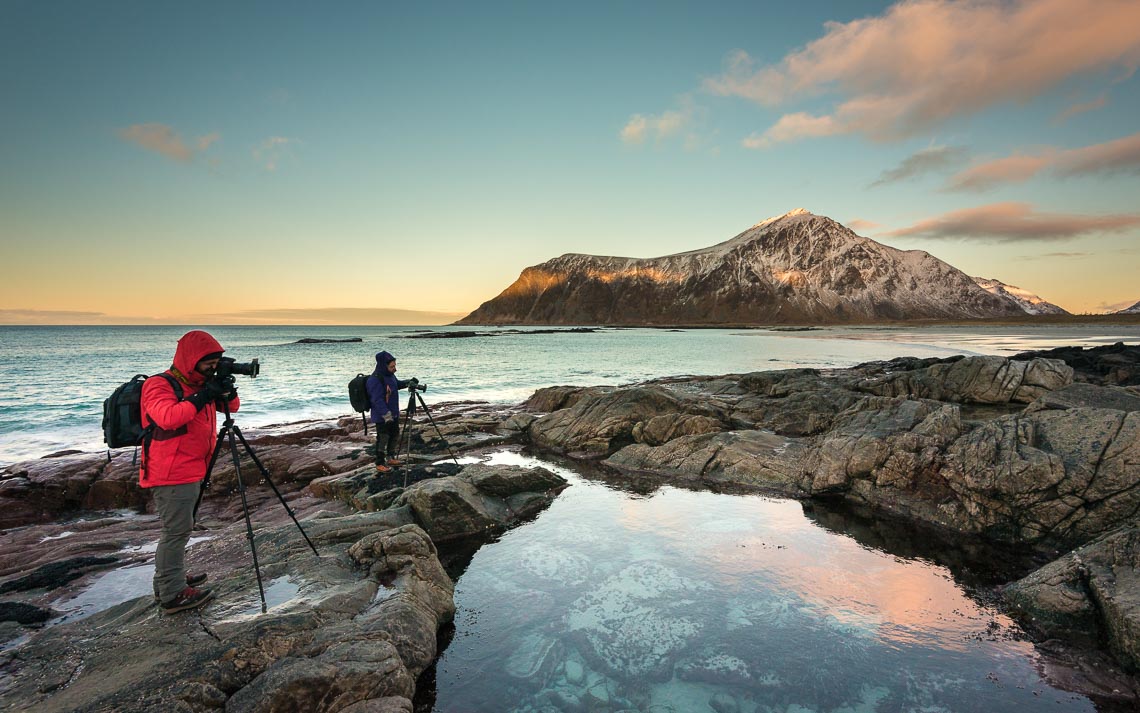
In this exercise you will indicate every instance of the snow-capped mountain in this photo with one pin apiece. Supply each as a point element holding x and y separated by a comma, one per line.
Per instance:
<point>798,268</point>
<point>1031,303</point>
<point>1134,309</point>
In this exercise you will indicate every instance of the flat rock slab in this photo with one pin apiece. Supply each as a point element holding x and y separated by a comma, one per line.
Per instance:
<point>357,626</point>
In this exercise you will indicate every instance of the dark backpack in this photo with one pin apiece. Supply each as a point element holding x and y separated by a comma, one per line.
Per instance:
<point>122,414</point>
<point>358,397</point>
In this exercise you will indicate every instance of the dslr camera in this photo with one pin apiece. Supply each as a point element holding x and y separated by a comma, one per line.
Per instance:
<point>414,385</point>
<point>227,367</point>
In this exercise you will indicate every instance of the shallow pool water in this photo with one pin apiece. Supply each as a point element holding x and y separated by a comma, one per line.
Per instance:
<point>696,601</point>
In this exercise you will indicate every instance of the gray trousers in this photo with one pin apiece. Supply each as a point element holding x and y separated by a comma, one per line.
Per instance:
<point>175,506</point>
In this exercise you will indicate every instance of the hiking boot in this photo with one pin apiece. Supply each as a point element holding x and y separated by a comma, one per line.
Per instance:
<point>394,461</point>
<point>196,580</point>
<point>190,598</point>
<point>192,580</point>
<point>381,468</point>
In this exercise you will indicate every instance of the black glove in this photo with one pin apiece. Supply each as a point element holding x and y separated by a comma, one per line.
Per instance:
<point>218,389</point>
<point>199,398</point>
<point>229,395</point>
<point>213,390</point>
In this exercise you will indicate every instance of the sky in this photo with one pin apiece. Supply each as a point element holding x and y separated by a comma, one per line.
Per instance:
<point>384,163</point>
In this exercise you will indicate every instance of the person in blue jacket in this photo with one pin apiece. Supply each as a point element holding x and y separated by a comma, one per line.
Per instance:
<point>383,392</point>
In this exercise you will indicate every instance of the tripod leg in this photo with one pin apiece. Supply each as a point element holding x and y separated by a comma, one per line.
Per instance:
<point>245,509</point>
<point>446,444</point>
<point>218,446</point>
<point>265,474</point>
<point>405,437</point>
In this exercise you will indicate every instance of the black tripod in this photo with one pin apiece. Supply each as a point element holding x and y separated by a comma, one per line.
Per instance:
<point>414,390</point>
<point>231,434</point>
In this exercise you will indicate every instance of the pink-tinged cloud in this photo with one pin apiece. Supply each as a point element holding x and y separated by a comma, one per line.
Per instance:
<point>272,150</point>
<point>159,138</point>
<point>664,125</point>
<point>639,127</point>
<point>858,224</point>
<point>1008,222</point>
<point>1118,156</point>
<point>205,141</point>
<point>1081,108</point>
<point>1118,306</point>
<point>792,127</point>
<point>165,141</point>
<point>925,61</point>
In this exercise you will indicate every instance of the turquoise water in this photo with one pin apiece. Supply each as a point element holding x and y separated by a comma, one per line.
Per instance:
<point>679,601</point>
<point>55,378</point>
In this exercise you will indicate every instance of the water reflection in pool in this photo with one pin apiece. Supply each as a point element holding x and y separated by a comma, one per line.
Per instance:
<point>697,601</point>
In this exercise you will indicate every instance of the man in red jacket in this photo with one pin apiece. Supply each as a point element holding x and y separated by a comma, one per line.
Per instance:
<point>176,457</point>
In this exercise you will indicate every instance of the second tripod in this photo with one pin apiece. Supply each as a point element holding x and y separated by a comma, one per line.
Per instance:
<point>414,390</point>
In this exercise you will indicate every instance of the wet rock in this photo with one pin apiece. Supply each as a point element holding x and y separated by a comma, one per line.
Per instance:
<point>504,481</point>
<point>1088,396</point>
<point>599,424</point>
<point>983,379</point>
<point>555,398</point>
<point>1088,594</point>
<point>756,459</point>
<point>475,503</point>
<point>533,661</point>
<point>721,669</point>
<point>1066,476</point>
<point>635,623</point>
<point>23,613</point>
<point>42,490</point>
<point>331,646</point>
<point>724,703</point>
<point>1110,364</point>
<point>574,672</point>
<point>55,574</point>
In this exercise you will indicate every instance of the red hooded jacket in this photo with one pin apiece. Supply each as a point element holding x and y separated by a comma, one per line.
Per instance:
<point>184,437</point>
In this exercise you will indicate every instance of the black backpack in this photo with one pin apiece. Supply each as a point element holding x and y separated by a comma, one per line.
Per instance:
<point>122,415</point>
<point>358,397</point>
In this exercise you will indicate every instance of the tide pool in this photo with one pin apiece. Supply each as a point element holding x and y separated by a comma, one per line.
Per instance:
<point>685,601</point>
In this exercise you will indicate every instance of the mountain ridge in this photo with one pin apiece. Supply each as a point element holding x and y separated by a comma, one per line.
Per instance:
<point>795,268</point>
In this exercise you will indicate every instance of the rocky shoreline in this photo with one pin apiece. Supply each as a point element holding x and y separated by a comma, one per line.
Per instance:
<point>1040,452</point>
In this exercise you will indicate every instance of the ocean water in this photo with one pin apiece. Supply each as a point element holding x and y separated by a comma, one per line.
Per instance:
<point>56,378</point>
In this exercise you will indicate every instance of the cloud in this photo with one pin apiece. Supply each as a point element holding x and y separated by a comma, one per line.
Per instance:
<point>794,126</point>
<point>158,138</point>
<point>1015,222</point>
<point>1081,108</point>
<point>1111,157</point>
<point>337,315</point>
<point>670,123</point>
<point>205,141</point>
<point>47,316</point>
<point>272,151</point>
<point>923,62</point>
<point>1117,306</point>
<point>858,224</point>
<point>927,160</point>
<point>164,140</point>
